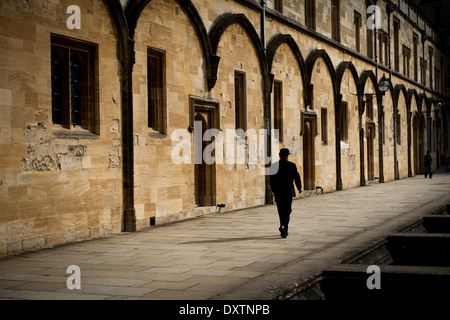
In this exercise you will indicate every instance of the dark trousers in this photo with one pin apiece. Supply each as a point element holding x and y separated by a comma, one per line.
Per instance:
<point>284,206</point>
<point>428,171</point>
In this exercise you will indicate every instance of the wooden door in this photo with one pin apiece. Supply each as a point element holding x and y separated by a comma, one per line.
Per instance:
<point>205,174</point>
<point>308,154</point>
<point>370,152</point>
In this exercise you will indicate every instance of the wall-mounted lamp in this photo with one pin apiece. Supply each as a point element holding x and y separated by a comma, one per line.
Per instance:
<point>437,106</point>
<point>383,85</point>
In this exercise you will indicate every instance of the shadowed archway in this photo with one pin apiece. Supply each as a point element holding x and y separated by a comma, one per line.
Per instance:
<point>337,99</point>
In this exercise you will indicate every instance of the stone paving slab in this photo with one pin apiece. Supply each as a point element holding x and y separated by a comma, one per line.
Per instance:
<point>231,255</point>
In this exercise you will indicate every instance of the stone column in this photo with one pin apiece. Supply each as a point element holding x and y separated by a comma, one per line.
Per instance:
<point>126,57</point>
<point>361,104</point>
<point>409,115</point>
<point>337,109</point>
<point>380,137</point>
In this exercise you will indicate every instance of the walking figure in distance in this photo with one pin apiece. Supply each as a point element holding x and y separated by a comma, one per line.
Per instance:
<point>282,185</point>
<point>428,161</point>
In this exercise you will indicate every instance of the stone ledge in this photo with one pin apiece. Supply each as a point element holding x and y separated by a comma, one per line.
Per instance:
<point>437,223</point>
<point>66,134</point>
<point>348,281</point>
<point>420,249</point>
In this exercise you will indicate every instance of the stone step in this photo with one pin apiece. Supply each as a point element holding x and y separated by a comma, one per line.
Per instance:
<point>419,249</point>
<point>437,223</point>
<point>349,282</point>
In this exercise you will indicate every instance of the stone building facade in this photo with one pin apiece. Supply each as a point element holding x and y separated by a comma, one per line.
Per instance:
<point>97,121</point>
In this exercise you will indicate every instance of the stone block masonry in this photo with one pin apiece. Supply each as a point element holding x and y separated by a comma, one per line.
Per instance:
<point>58,183</point>
<point>83,161</point>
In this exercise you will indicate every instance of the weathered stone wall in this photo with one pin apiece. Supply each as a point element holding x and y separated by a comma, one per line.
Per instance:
<point>370,89</point>
<point>165,190</point>
<point>239,185</point>
<point>57,185</point>
<point>350,148</point>
<point>325,155</point>
<point>402,139</point>
<point>286,70</point>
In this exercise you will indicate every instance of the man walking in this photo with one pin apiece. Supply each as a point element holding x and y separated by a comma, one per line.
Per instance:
<point>428,161</point>
<point>282,185</point>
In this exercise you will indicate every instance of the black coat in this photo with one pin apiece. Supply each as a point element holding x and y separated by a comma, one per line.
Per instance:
<point>284,174</point>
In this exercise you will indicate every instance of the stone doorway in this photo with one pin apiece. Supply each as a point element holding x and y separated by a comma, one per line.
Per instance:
<point>308,153</point>
<point>421,153</point>
<point>416,144</point>
<point>370,152</point>
<point>205,174</point>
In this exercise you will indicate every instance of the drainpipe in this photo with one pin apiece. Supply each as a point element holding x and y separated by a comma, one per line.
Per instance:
<point>267,107</point>
<point>263,24</point>
<point>424,82</point>
<point>389,9</point>
<point>380,109</point>
<point>424,78</point>
<point>375,43</point>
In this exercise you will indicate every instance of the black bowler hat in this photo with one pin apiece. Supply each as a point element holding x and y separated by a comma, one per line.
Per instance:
<point>284,152</point>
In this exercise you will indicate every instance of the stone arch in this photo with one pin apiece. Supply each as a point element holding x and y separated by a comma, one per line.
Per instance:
<point>310,61</point>
<point>286,63</point>
<point>340,71</point>
<point>373,135</point>
<point>423,98</point>
<point>403,138</point>
<point>391,91</point>
<point>218,28</point>
<point>412,132</point>
<point>426,124</point>
<point>125,20</point>
<point>134,9</point>
<point>411,93</point>
<point>118,17</point>
<point>399,88</point>
<point>388,105</point>
<point>353,147</point>
<point>275,42</point>
<point>367,75</point>
<point>245,61</point>
<point>342,68</point>
<point>221,25</point>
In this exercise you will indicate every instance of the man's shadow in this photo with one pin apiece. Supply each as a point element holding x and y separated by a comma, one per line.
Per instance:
<point>224,240</point>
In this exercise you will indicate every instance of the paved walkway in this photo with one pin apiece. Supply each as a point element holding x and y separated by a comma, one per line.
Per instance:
<point>234,255</point>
